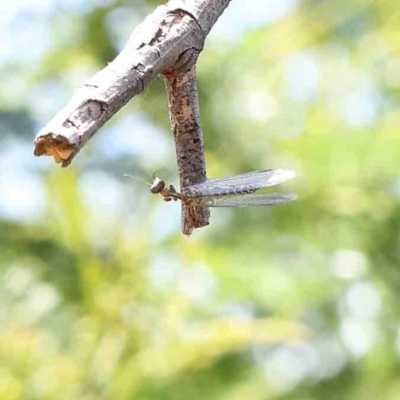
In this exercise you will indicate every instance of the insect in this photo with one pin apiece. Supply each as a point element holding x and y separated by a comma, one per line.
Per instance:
<point>232,191</point>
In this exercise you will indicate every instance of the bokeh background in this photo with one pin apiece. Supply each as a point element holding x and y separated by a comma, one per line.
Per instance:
<point>101,295</point>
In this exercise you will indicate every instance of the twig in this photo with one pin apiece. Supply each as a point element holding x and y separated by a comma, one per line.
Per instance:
<point>158,43</point>
<point>185,120</point>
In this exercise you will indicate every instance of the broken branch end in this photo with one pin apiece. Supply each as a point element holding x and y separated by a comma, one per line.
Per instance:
<point>55,146</point>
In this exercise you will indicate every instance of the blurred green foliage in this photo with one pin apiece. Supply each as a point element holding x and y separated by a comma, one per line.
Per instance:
<point>103,298</point>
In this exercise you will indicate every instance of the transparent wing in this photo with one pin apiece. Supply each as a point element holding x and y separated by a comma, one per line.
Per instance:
<point>247,200</point>
<point>248,182</point>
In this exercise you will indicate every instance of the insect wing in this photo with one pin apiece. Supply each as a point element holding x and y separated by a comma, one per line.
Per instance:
<point>248,200</point>
<point>236,184</point>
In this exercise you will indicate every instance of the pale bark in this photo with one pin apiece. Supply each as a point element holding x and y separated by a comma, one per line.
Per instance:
<point>170,36</point>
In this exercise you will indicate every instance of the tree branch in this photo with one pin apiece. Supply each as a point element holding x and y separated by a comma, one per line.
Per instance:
<point>161,41</point>
<point>181,87</point>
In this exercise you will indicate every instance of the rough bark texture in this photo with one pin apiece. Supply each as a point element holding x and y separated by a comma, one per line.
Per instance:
<point>167,37</point>
<point>181,87</point>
